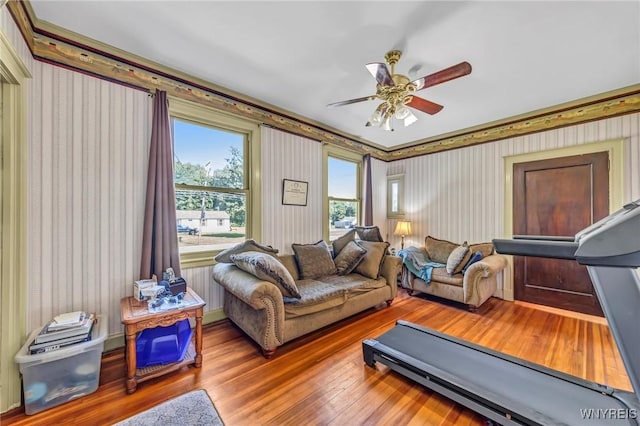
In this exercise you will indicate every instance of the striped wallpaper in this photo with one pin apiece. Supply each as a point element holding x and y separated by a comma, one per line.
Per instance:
<point>87,165</point>
<point>287,156</point>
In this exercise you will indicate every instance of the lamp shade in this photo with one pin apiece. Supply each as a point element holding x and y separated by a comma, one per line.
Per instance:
<point>403,228</point>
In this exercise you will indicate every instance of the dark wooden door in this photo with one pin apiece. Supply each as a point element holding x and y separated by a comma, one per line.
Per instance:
<point>558,197</point>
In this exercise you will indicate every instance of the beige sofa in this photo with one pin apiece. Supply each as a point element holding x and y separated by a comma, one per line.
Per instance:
<point>478,283</point>
<point>260,310</point>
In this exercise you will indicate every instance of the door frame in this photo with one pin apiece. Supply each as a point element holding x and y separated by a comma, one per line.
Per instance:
<point>615,149</point>
<point>13,219</point>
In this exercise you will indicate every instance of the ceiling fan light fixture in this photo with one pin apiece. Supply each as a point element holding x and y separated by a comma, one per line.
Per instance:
<point>402,113</point>
<point>377,117</point>
<point>386,124</point>
<point>410,119</point>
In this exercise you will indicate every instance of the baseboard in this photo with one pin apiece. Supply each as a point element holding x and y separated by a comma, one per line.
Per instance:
<point>116,341</point>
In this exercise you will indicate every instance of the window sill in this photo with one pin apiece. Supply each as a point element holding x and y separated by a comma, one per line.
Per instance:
<point>198,259</point>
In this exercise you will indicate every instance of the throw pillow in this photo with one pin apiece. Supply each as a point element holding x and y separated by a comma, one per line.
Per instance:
<point>267,268</point>
<point>369,233</point>
<point>340,242</point>
<point>485,248</point>
<point>455,258</point>
<point>474,258</point>
<point>438,250</point>
<point>349,257</point>
<point>248,245</point>
<point>314,260</point>
<point>371,263</point>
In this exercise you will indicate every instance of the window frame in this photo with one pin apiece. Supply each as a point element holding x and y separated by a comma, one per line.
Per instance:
<point>203,115</point>
<point>329,151</point>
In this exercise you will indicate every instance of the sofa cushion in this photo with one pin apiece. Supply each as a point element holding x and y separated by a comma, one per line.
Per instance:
<point>267,268</point>
<point>349,257</point>
<point>369,233</point>
<point>330,292</point>
<point>441,275</point>
<point>248,245</point>
<point>340,242</point>
<point>439,250</point>
<point>454,261</point>
<point>314,260</point>
<point>371,263</point>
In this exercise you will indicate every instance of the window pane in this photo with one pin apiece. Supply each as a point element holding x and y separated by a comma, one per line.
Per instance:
<point>205,156</point>
<point>394,197</point>
<point>342,217</point>
<point>343,181</point>
<point>210,218</point>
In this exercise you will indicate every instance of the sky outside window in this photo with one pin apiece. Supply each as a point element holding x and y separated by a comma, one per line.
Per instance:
<point>343,179</point>
<point>198,144</point>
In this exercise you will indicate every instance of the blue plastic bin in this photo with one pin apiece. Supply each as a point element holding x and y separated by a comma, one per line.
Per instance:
<point>163,345</point>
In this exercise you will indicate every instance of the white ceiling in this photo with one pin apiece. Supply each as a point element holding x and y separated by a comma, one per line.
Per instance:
<point>301,55</point>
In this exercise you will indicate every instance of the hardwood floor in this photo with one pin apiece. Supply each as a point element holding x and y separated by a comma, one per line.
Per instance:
<point>321,379</point>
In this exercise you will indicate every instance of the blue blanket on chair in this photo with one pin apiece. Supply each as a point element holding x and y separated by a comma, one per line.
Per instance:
<point>417,262</point>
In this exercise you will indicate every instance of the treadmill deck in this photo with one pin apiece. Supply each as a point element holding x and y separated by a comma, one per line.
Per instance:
<point>516,391</point>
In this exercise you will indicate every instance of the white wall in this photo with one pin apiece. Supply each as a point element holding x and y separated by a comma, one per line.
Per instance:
<point>459,195</point>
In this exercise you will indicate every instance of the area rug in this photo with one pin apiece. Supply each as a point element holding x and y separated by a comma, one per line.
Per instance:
<point>193,408</point>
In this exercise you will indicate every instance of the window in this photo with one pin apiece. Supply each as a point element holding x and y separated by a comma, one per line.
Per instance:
<point>215,207</point>
<point>395,196</point>
<point>343,201</point>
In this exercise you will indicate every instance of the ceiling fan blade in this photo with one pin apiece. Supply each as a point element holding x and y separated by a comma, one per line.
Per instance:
<point>381,73</point>
<point>352,101</point>
<point>455,71</point>
<point>424,105</point>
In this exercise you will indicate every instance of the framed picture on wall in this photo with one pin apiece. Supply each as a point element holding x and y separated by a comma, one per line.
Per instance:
<point>294,192</point>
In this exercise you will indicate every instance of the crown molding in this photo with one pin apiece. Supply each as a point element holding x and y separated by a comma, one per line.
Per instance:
<point>56,45</point>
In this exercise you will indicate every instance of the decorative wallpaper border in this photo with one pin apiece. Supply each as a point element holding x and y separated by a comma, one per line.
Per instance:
<point>56,45</point>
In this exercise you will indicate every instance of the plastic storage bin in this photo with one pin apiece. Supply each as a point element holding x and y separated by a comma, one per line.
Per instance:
<point>53,378</point>
<point>163,345</point>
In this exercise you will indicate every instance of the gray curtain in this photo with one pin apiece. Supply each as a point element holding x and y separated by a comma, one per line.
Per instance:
<point>160,235</point>
<point>368,192</point>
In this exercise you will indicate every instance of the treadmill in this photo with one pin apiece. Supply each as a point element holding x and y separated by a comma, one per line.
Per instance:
<point>512,391</point>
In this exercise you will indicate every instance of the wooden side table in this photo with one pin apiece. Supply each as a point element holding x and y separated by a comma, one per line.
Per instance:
<point>136,317</point>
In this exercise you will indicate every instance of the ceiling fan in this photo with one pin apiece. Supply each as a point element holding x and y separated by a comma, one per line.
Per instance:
<point>397,91</point>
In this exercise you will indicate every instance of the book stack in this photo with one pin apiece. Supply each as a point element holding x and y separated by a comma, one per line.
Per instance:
<point>65,329</point>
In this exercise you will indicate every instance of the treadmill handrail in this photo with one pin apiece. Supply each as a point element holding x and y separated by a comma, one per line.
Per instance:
<point>543,238</point>
<point>553,249</point>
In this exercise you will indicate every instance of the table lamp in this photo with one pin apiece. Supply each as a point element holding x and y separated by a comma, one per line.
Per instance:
<point>403,229</point>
